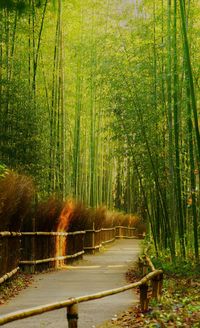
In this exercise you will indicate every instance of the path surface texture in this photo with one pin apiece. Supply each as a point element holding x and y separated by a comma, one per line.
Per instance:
<point>95,273</point>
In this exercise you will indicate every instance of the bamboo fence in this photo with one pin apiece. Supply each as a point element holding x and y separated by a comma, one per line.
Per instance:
<point>40,251</point>
<point>74,246</point>
<point>44,250</point>
<point>95,239</point>
<point>125,232</point>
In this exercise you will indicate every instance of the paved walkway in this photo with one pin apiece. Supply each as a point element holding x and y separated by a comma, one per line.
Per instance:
<point>105,270</point>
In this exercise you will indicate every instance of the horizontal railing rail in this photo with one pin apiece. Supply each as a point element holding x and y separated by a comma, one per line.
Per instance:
<point>71,304</point>
<point>44,250</point>
<point>9,233</point>
<point>95,239</point>
<point>52,259</point>
<point>8,275</point>
<point>43,233</point>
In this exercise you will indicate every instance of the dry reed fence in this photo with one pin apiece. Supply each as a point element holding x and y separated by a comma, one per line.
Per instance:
<point>155,278</point>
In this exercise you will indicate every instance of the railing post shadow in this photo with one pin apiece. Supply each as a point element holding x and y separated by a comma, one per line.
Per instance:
<point>72,316</point>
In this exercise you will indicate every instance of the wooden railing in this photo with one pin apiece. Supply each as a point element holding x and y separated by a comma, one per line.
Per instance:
<point>39,251</point>
<point>125,232</point>
<point>43,250</point>
<point>95,239</point>
<point>72,304</point>
<point>145,264</point>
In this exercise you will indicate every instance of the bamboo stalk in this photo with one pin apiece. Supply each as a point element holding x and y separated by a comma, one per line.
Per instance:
<point>63,304</point>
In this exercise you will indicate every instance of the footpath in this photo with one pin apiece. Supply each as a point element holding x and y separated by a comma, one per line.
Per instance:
<point>95,273</point>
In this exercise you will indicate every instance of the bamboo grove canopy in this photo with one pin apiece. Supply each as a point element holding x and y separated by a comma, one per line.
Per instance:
<point>99,101</point>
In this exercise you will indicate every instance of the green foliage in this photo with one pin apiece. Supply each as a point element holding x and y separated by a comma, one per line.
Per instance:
<point>3,170</point>
<point>178,306</point>
<point>20,5</point>
<point>179,268</point>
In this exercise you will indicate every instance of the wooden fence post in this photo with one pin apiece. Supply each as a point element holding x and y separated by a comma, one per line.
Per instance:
<point>72,316</point>
<point>157,283</point>
<point>143,267</point>
<point>144,297</point>
<point>160,285</point>
<point>93,238</point>
<point>155,287</point>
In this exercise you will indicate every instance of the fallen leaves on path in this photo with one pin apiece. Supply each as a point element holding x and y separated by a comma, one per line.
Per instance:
<point>13,286</point>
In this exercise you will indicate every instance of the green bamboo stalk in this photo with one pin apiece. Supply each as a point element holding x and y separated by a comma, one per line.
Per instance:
<point>177,187</point>
<point>190,75</point>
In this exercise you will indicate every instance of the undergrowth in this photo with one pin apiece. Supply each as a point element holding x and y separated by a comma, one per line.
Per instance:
<point>180,302</point>
<point>178,268</point>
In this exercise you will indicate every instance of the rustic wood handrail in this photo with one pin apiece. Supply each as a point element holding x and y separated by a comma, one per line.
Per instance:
<point>108,229</point>
<point>8,275</point>
<point>52,259</point>
<point>112,228</point>
<point>71,304</point>
<point>157,282</point>
<point>9,233</point>
<point>57,233</point>
<point>29,242</point>
<point>130,228</point>
<point>149,263</point>
<point>52,233</point>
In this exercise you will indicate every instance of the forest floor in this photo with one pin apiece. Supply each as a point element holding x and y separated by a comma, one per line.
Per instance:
<point>12,287</point>
<point>179,306</point>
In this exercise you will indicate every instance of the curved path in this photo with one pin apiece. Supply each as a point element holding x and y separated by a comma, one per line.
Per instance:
<point>105,270</point>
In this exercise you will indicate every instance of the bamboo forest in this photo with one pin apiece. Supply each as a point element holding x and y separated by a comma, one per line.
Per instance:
<point>99,105</point>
